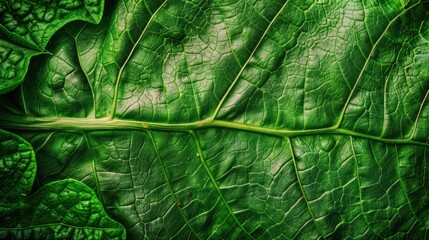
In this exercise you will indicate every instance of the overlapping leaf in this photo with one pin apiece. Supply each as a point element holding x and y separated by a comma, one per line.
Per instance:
<point>27,26</point>
<point>65,209</point>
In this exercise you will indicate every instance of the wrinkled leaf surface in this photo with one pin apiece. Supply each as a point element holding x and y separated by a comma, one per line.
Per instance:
<point>240,119</point>
<point>64,209</point>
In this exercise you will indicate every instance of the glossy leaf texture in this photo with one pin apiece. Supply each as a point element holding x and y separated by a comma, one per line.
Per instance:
<point>27,26</point>
<point>239,119</point>
<point>64,209</point>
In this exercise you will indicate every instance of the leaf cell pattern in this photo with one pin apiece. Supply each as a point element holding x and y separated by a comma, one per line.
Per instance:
<point>284,119</point>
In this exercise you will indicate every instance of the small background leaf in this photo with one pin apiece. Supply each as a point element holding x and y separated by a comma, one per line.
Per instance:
<point>17,170</point>
<point>14,61</point>
<point>27,26</point>
<point>65,209</point>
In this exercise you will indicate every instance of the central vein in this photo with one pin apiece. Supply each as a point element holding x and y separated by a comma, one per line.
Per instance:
<point>85,124</point>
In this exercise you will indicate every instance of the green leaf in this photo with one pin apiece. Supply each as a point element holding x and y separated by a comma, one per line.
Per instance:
<point>27,26</point>
<point>62,209</point>
<point>13,62</point>
<point>32,23</point>
<point>17,169</point>
<point>239,119</point>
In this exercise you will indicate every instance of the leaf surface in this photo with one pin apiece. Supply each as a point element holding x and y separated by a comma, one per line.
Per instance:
<point>239,119</point>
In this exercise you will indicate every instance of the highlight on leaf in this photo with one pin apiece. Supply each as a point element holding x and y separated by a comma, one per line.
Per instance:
<point>262,119</point>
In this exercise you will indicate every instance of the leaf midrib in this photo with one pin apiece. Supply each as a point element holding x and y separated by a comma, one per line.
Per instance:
<point>86,124</point>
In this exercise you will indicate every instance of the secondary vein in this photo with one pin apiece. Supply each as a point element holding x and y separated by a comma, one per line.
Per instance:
<point>115,94</point>
<point>216,186</point>
<point>371,53</point>
<point>247,62</point>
